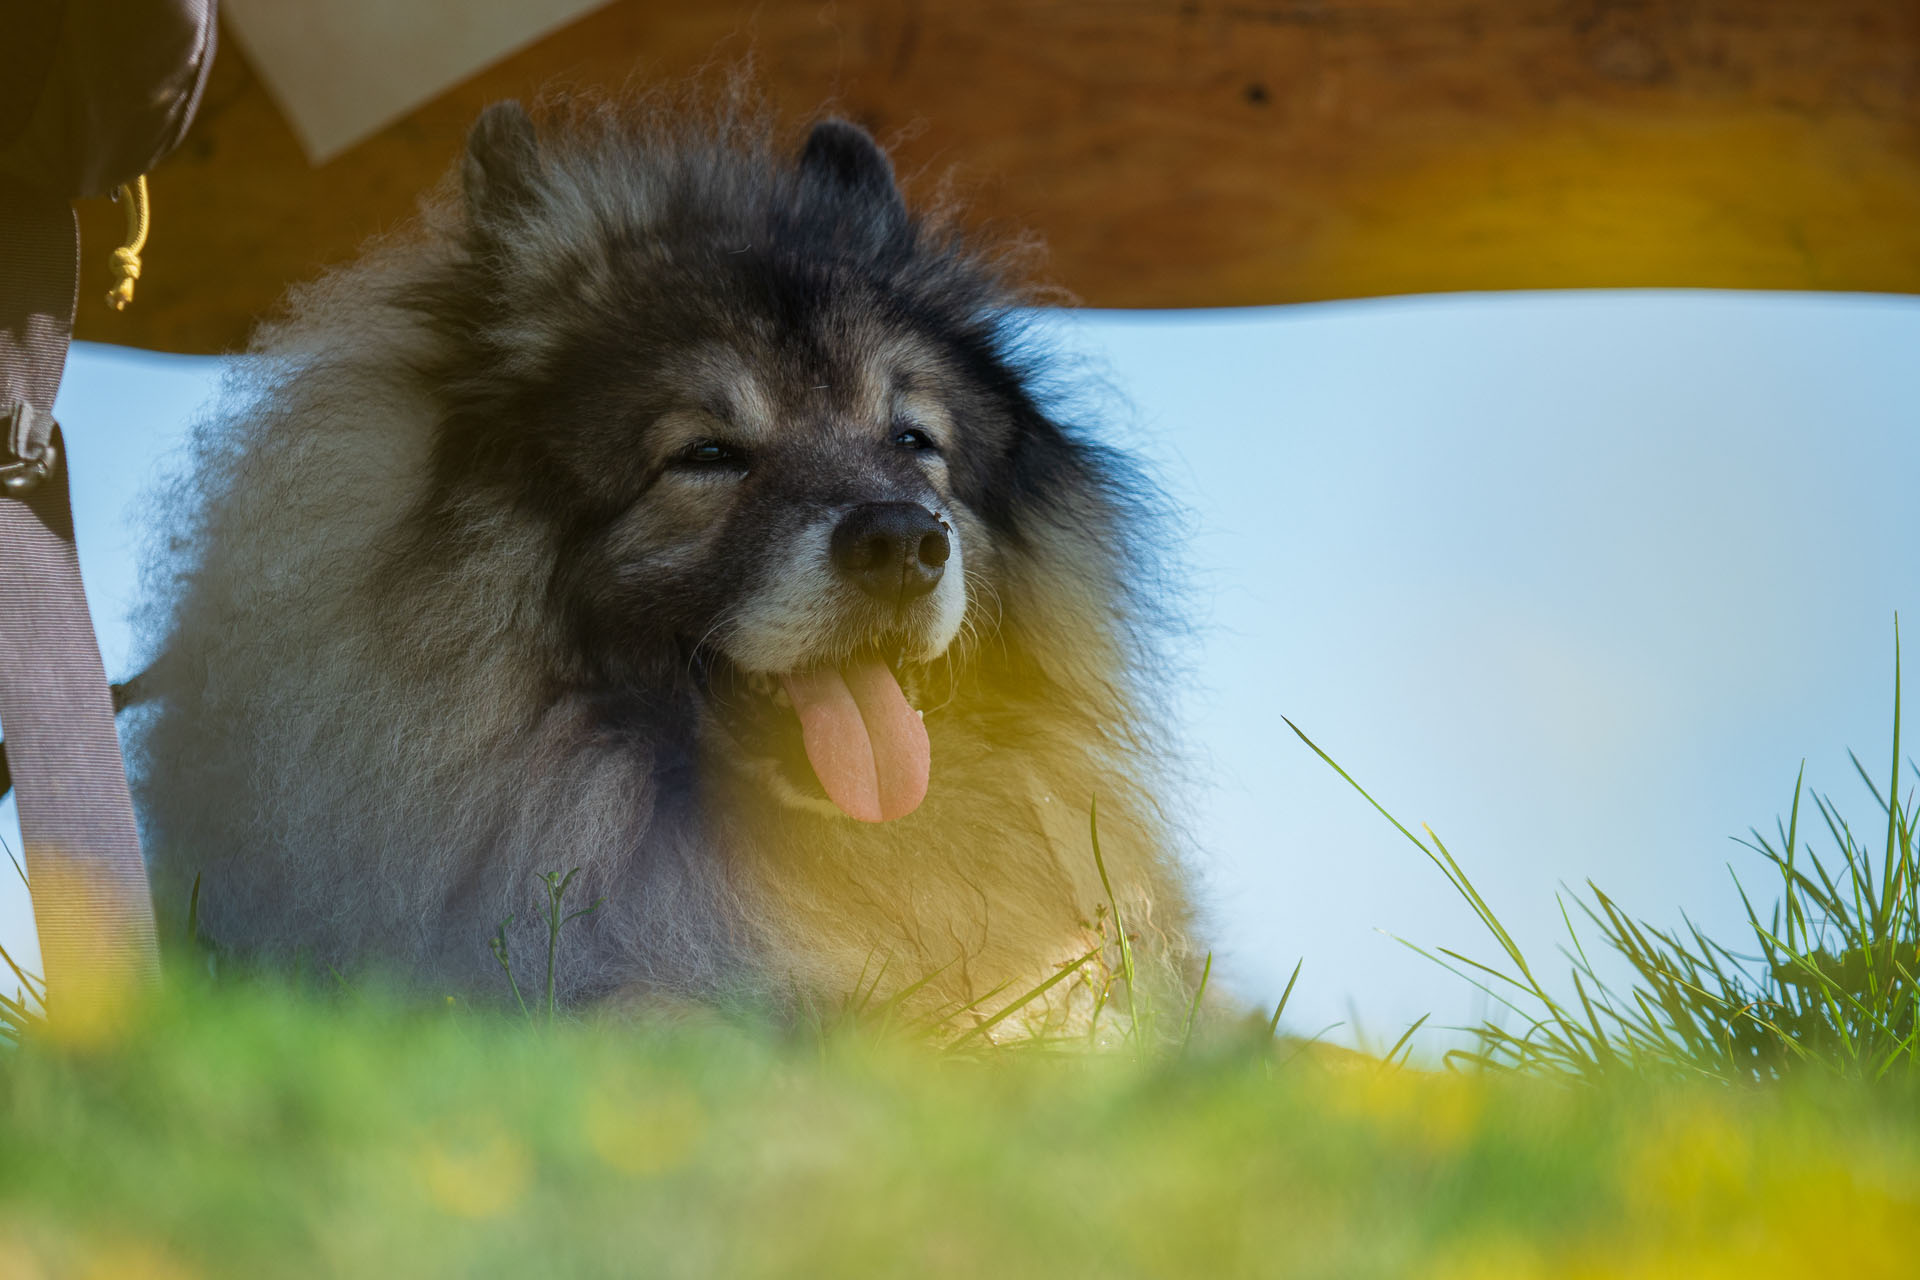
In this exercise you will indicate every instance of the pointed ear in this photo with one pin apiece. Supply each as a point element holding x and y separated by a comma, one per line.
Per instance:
<point>841,158</point>
<point>502,162</point>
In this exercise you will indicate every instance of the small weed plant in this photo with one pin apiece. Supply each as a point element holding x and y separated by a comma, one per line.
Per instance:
<point>557,920</point>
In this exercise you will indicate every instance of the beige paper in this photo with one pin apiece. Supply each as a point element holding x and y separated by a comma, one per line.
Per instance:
<point>343,69</point>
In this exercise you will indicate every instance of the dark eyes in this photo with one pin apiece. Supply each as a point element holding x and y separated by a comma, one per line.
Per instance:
<point>703,454</point>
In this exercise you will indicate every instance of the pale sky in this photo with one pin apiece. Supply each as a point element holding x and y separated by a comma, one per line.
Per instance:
<point>1577,578</point>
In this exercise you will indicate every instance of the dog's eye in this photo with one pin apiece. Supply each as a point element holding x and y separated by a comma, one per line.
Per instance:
<point>711,453</point>
<point>913,438</point>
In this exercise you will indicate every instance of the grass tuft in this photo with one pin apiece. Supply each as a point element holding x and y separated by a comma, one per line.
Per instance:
<point>1829,986</point>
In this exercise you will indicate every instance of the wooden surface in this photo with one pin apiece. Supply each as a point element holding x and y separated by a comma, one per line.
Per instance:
<point>1184,153</point>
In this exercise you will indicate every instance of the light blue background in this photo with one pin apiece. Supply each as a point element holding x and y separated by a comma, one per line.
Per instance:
<point>1577,578</point>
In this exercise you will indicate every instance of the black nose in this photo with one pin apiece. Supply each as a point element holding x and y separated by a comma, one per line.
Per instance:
<point>893,551</point>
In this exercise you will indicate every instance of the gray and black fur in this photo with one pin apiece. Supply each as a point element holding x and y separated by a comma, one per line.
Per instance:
<point>491,565</point>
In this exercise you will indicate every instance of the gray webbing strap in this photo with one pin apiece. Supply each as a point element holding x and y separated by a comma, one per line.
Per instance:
<point>91,901</point>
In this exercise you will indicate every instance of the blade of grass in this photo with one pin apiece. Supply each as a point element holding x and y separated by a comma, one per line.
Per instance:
<point>1404,1040</point>
<point>1193,1010</point>
<point>981,1028</point>
<point>1119,924</point>
<point>1309,1042</point>
<point>27,980</point>
<point>1273,1025</point>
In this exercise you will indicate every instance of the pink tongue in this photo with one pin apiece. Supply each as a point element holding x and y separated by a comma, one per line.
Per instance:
<point>867,746</point>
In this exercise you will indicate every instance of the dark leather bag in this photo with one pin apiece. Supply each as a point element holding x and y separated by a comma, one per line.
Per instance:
<point>93,94</point>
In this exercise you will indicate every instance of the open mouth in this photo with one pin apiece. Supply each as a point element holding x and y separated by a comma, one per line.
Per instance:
<point>845,727</point>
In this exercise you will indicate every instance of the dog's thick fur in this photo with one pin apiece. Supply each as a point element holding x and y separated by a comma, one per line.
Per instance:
<point>437,614</point>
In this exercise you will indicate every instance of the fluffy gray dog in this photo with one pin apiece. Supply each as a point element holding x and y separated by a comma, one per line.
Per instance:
<point>687,513</point>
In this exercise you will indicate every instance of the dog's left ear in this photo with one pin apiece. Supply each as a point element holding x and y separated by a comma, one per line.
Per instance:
<point>841,160</point>
<point>502,164</point>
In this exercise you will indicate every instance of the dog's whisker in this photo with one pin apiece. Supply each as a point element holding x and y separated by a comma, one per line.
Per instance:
<point>693,653</point>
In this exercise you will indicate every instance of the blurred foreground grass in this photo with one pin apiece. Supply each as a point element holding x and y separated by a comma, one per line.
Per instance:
<point>253,1131</point>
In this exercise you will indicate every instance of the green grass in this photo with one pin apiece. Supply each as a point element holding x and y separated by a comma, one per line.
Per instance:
<point>249,1130</point>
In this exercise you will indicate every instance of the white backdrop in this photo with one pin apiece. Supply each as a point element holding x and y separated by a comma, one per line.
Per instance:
<point>1577,578</point>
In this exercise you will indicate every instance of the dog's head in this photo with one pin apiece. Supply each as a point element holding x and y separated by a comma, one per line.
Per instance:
<point>773,421</point>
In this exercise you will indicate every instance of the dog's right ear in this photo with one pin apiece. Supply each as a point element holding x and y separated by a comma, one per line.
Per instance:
<point>502,163</point>
<point>843,167</point>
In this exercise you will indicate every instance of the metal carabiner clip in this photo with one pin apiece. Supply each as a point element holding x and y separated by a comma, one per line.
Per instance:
<point>27,451</point>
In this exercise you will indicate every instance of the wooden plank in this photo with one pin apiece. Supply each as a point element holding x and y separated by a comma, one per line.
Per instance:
<point>1179,153</point>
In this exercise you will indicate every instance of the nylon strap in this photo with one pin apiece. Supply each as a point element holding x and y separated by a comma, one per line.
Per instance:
<point>90,896</point>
